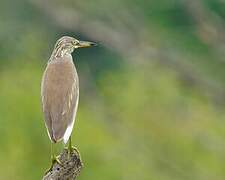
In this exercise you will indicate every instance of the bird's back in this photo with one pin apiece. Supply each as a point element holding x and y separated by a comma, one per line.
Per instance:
<point>60,93</point>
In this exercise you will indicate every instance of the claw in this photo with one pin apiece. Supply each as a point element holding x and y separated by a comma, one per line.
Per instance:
<point>55,159</point>
<point>74,149</point>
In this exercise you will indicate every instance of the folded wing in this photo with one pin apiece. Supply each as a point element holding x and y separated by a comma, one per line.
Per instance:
<point>60,93</point>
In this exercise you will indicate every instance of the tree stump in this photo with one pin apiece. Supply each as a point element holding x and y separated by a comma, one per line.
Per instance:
<point>69,168</point>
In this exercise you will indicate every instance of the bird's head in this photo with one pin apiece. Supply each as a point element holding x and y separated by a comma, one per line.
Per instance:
<point>67,44</point>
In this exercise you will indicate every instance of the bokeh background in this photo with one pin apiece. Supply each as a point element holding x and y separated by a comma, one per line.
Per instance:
<point>152,94</point>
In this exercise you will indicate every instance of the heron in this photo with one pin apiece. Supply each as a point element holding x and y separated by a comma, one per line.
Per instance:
<point>60,92</point>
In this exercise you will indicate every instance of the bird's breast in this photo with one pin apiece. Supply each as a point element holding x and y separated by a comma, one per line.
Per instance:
<point>59,77</point>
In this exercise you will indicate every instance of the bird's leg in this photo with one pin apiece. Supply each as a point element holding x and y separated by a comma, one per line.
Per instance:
<point>72,148</point>
<point>54,159</point>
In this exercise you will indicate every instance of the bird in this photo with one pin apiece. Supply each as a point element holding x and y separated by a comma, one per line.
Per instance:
<point>60,91</point>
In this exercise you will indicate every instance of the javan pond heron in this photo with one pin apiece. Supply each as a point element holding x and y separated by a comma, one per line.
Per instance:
<point>60,91</point>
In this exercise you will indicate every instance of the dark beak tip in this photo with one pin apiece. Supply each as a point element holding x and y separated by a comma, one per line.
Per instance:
<point>93,44</point>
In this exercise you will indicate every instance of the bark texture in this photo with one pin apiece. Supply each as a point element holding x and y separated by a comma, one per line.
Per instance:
<point>69,168</point>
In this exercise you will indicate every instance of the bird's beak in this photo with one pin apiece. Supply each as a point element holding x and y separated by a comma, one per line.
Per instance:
<point>85,44</point>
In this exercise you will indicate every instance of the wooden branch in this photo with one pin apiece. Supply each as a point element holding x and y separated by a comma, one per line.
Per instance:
<point>68,170</point>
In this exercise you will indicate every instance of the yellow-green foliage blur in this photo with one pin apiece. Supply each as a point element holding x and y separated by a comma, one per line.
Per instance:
<point>152,94</point>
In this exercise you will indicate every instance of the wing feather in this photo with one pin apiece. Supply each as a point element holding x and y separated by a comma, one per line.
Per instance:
<point>60,91</point>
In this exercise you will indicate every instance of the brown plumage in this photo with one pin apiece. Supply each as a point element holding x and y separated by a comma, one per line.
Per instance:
<point>60,89</point>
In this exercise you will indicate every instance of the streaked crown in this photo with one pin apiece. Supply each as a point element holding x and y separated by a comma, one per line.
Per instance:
<point>65,45</point>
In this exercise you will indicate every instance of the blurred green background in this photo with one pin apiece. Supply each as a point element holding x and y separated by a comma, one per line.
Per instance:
<point>152,94</point>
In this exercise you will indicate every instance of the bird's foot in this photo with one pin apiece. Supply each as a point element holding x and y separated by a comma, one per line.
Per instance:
<point>54,159</point>
<point>72,150</point>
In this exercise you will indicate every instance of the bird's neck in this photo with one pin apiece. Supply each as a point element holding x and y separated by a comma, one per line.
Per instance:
<point>59,53</point>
